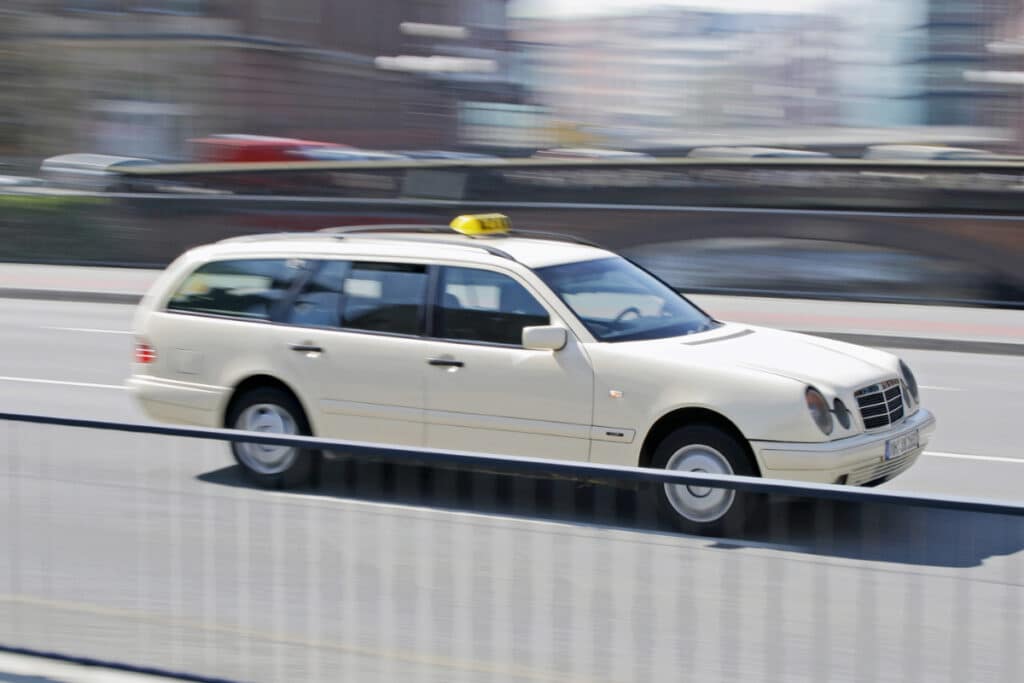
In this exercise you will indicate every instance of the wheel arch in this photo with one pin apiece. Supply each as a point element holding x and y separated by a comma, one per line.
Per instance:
<point>687,416</point>
<point>260,381</point>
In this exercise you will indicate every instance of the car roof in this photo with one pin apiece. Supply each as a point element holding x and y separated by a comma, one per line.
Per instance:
<point>535,250</point>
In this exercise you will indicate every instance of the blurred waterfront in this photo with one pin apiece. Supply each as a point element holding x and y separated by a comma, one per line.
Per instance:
<point>808,268</point>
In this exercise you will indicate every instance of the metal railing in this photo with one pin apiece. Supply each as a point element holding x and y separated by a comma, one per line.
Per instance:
<point>141,543</point>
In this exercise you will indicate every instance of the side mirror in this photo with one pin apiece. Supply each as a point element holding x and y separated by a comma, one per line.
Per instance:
<point>544,338</point>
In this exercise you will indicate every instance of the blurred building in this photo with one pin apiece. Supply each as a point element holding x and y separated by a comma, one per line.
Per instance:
<point>871,64</point>
<point>910,63</point>
<point>880,69</point>
<point>957,37</point>
<point>1008,70</point>
<point>140,77</point>
<point>673,70</point>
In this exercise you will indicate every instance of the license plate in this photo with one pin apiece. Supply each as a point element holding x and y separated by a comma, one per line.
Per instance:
<point>901,445</point>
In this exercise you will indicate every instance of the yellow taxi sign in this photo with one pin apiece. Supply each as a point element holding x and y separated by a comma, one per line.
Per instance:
<point>481,224</point>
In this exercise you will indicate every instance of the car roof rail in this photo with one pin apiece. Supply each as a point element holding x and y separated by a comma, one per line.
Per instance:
<point>385,228</point>
<point>394,231</point>
<point>255,237</point>
<point>382,232</point>
<point>560,236</point>
<point>445,229</point>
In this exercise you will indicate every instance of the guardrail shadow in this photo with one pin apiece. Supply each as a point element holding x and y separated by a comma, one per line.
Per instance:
<point>860,531</point>
<point>890,533</point>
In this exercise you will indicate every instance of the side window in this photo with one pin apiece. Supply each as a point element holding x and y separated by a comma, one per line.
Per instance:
<point>319,302</point>
<point>480,305</point>
<point>384,297</point>
<point>245,288</point>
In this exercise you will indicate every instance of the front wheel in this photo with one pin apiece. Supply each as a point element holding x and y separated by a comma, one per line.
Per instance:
<point>702,509</point>
<point>272,411</point>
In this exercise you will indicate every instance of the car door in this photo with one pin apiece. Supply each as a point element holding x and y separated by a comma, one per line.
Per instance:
<point>354,335</point>
<point>484,391</point>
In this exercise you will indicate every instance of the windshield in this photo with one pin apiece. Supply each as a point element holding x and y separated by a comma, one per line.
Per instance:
<point>618,301</point>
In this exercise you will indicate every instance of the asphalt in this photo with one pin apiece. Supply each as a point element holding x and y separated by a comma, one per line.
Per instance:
<point>153,551</point>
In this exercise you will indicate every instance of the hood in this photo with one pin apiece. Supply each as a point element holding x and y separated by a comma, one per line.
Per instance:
<point>823,363</point>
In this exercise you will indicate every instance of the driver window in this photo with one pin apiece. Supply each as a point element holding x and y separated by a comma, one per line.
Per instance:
<point>484,306</point>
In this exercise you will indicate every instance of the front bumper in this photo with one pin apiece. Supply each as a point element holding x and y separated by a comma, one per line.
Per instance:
<point>855,460</point>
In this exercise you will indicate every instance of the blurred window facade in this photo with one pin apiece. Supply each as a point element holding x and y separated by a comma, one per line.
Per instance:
<point>309,69</point>
<point>873,64</point>
<point>292,68</point>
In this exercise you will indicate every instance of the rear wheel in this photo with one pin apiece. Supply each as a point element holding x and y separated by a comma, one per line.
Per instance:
<point>702,509</point>
<point>271,411</point>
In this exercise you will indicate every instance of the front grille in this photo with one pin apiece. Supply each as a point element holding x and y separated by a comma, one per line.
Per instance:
<point>880,404</point>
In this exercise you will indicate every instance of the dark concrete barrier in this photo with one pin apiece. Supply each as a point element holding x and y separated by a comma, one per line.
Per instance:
<point>153,229</point>
<point>968,213</point>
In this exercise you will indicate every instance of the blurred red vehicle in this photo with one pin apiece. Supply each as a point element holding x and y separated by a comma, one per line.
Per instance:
<point>250,148</point>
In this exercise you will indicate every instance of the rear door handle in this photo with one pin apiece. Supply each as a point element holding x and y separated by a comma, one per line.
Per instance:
<point>306,348</point>
<point>446,362</point>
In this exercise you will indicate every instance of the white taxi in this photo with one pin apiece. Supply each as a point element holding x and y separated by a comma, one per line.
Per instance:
<point>485,339</point>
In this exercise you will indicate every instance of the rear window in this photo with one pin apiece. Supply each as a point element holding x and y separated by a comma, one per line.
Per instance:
<point>244,288</point>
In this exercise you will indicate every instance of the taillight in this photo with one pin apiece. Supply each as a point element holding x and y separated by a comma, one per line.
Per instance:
<point>144,353</point>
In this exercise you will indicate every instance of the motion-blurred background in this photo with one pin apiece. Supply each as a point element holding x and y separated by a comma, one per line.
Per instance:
<point>755,153</point>
<point>786,112</point>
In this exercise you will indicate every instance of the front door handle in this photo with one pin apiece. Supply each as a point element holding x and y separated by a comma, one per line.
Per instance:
<point>306,348</point>
<point>446,362</point>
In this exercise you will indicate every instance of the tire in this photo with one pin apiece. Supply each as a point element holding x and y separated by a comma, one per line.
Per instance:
<point>269,409</point>
<point>702,510</point>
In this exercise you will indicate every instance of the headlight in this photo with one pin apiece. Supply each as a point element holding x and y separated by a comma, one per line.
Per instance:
<point>841,413</point>
<point>820,413</point>
<point>910,381</point>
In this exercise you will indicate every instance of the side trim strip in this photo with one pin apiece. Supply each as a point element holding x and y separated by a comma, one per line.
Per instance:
<point>508,424</point>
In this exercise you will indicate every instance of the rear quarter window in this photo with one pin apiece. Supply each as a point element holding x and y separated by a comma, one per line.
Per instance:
<point>242,288</point>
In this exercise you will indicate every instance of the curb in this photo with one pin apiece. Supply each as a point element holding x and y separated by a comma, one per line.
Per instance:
<point>865,339</point>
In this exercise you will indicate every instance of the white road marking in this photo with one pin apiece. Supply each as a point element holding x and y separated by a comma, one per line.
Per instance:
<point>88,385</point>
<point>967,456</point>
<point>88,329</point>
<point>925,386</point>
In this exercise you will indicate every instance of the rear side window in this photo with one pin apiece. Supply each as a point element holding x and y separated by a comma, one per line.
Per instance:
<point>244,288</point>
<point>484,306</point>
<point>384,297</point>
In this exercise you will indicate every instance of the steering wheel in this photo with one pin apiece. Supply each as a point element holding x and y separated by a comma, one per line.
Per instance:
<point>632,309</point>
